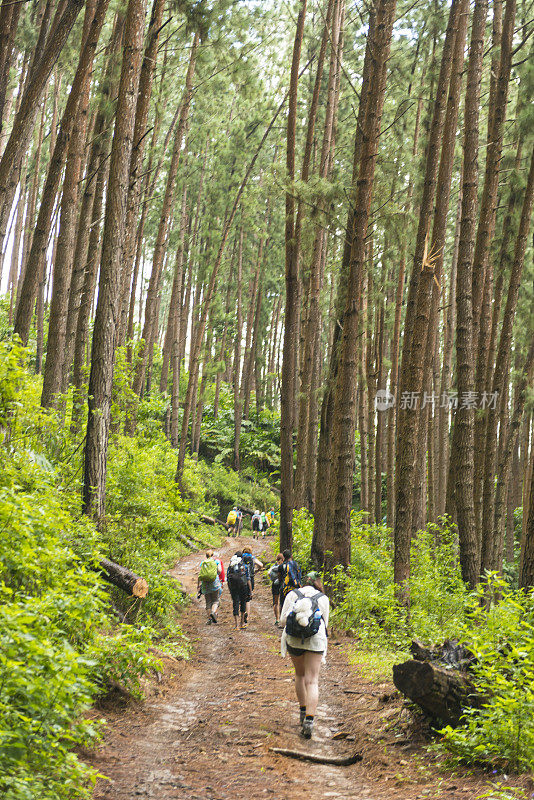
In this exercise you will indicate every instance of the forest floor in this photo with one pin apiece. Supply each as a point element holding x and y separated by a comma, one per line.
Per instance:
<point>208,724</point>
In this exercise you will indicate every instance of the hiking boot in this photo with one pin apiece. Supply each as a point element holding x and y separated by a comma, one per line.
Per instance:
<point>213,619</point>
<point>243,626</point>
<point>302,716</point>
<point>209,621</point>
<point>307,728</point>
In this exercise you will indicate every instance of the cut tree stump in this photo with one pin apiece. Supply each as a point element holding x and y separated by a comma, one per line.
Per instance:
<point>442,693</point>
<point>123,578</point>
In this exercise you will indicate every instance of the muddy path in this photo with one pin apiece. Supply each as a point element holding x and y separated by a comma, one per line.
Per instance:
<point>206,729</point>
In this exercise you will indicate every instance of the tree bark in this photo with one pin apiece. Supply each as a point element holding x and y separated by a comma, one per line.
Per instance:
<point>425,273</point>
<point>290,360</point>
<point>163,228</point>
<point>33,91</point>
<point>62,275</point>
<point>501,371</point>
<point>462,455</point>
<point>37,255</point>
<point>107,310</point>
<point>343,429</point>
<point>123,578</point>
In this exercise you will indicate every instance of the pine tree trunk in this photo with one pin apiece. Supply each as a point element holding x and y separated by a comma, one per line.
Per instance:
<point>411,419</point>
<point>107,310</point>
<point>501,372</point>
<point>343,429</point>
<point>63,265</point>
<point>505,461</point>
<point>173,320</point>
<point>307,326</point>
<point>238,404</point>
<point>146,81</point>
<point>526,576</point>
<point>37,255</point>
<point>290,359</point>
<point>462,455</point>
<point>163,229</point>
<point>35,86</point>
<point>322,517</point>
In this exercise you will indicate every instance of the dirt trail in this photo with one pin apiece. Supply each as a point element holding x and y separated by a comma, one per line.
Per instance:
<point>206,730</point>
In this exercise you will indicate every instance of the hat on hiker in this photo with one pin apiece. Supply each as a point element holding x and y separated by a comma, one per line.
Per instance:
<point>312,576</point>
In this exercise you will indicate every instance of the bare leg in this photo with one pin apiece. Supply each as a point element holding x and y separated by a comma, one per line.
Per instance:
<point>300,681</point>
<point>276,608</point>
<point>312,667</point>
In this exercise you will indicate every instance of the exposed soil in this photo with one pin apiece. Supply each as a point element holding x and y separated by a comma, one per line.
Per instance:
<point>206,729</point>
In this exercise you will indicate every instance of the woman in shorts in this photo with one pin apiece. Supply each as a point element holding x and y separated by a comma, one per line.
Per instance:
<point>308,654</point>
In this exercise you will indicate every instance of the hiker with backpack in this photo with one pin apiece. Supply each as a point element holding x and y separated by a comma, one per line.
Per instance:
<point>209,585</point>
<point>231,521</point>
<point>305,616</point>
<point>256,524</point>
<point>290,575</point>
<point>274,575</point>
<point>253,564</point>
<point>240,588</point>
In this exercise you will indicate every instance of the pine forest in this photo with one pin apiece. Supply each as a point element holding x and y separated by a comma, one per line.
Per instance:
<point>266,283</point>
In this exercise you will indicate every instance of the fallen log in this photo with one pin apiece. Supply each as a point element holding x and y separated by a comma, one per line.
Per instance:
<point>442,693</point>
<point>123,578</point>
<point>337,761</point>
<point>214,521</point>
<point>451,653</point>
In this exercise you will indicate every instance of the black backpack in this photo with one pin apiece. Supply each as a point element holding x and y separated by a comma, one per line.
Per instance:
<point>294,628</point>
<point>237,574</point>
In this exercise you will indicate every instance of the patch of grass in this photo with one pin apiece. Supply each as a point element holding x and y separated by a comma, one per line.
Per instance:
<point>376,665</point>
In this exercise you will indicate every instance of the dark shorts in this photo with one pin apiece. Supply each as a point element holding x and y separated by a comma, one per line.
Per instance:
<point>275,589</point>
<point>297,651</point>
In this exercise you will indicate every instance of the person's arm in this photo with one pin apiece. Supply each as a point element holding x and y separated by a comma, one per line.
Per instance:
<point>258,564</point>
<point>286,608</point>
<point>324,605</point>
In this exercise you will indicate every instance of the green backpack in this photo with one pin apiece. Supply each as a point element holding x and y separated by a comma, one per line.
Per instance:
<point>208,571</point>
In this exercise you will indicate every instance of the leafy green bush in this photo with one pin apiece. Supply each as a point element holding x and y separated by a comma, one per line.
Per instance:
<point>51,612</point>
<point>365,593</point>
<point>501,634</point>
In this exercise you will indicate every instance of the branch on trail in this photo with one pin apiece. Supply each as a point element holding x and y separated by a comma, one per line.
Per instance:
<point>123,578</point>
<point>340,761</point>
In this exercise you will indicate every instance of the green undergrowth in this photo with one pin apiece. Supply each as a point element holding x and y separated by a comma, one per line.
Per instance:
<point>61,643</point>
<point>496,621</point>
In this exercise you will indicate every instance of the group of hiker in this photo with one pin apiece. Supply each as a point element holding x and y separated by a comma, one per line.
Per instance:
<point>261,521</point>
<point>301,609</point>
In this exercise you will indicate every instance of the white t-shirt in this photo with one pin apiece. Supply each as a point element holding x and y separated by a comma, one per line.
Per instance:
<point>318,642</point>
